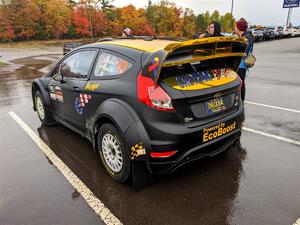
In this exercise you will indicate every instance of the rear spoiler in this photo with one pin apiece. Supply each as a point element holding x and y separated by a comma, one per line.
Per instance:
<point>190,51</point>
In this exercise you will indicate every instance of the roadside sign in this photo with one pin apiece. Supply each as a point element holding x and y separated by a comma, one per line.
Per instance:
<point>290,3</point>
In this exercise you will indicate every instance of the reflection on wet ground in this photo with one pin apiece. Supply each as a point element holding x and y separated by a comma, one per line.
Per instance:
<point>16,79</point>
<point>203,191</point>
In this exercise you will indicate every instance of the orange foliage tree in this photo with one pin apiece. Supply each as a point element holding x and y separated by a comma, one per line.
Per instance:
<point>48,19</point>
<point>19,20</point>
<point>134,19</point>
<point>88,19</point>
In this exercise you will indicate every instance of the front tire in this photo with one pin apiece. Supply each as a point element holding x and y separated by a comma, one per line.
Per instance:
<point>42,109</point>
<point>113,152</point>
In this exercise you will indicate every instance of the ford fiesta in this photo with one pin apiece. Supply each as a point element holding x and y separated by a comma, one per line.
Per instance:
<point>147,106</point>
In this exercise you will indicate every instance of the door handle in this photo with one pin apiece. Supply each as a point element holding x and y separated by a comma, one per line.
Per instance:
<point>76,89</point>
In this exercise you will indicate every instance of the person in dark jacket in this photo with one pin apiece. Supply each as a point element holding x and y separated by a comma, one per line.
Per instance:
<point>241,27</point>
<point>213,30</point>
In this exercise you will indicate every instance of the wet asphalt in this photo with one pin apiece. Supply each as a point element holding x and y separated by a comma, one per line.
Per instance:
<point>257,182</point>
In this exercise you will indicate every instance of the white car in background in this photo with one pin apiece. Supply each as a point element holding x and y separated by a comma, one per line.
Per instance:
<point>287,31</point>
<point>295,31</point>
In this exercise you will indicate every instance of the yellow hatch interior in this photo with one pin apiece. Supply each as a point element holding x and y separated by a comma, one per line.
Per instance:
<point>180,83</point>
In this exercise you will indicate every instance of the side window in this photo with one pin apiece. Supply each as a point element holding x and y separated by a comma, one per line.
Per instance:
<point>109,64</point>
<point>78,64</point>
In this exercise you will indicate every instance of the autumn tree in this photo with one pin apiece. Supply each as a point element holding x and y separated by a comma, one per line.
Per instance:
<point>57,19</point>
<point>201,23</point>
<point>227,21</point>
<point>134,19</point>
<point>81,22</point>
<point>89,21</point>
<point>106,5</point>
<point>45,19</point>
<point>189,23</point>
<point>166,18</point>
<point>6,28</point>
<point>215,16</point>
<point>19,20</point>
<point>149,13</point>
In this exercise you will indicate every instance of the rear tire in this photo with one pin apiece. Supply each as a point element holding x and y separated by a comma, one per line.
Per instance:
<point>42,109</point>
<point>113,152</point>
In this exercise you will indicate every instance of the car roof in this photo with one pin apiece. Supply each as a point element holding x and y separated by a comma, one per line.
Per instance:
<point>138,44</point>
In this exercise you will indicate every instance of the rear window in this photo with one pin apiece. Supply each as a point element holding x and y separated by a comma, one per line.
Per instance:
<point>109,64</point>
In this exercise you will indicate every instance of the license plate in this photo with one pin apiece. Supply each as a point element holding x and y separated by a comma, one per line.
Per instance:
<point>214,106</point>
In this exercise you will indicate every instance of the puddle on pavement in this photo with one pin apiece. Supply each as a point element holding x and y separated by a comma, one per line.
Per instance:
<point>16,78</point>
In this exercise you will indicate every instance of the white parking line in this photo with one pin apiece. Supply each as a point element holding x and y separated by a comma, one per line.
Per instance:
<point>104,213</point>
<point>272,136</point>
<point>273,107</point>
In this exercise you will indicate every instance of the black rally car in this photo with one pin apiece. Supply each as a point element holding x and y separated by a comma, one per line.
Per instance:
<point>147,106</point>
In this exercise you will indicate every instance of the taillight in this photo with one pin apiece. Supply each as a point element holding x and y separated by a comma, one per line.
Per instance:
<point>153,95</point>
<point>162,154</point>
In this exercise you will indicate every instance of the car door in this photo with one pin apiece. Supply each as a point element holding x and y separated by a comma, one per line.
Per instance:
<point>68,93</point>
<point>110,79</point>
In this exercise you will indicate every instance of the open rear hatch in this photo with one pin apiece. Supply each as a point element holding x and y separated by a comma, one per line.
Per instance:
<point>199,76</point>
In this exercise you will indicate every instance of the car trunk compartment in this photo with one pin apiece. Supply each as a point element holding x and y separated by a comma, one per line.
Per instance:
<point>201,95</point>
<point>199,76</point>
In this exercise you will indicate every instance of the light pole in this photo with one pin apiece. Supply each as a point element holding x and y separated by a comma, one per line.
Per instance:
<point>232,7</point>
<point>288,20</point>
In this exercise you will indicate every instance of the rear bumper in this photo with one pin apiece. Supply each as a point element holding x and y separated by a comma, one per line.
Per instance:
<point>191,145</point>
<point>206,150</point>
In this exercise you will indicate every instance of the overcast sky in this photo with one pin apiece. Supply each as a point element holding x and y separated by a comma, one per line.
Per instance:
<point>264,12</point>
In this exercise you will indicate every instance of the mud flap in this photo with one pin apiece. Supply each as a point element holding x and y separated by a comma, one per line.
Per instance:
<point>141,175</point>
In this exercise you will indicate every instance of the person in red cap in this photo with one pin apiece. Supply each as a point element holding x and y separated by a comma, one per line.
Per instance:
<point>241,27</point>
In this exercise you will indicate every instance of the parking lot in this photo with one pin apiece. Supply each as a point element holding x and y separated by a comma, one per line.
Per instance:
<point>257,182</point>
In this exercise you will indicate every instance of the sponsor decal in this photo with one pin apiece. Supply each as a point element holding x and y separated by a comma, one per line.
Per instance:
<point>217,131</point>
<point>56,93</point>
<point>201,80</point>
<point>81,101</point>
<point>154,66</point>
<point>215,105</point>
<point>91,86</point>
<point>188,119</point>
<point>137,150</point>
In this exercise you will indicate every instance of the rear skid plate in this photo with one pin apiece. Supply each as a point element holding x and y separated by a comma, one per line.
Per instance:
<point>143,178</point>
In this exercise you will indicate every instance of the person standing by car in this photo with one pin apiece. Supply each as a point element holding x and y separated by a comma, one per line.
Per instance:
<point>126,33</point>
<point>213,30</point>
<point>241,27</point>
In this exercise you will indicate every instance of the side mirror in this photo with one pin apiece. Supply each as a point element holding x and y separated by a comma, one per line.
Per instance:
<point>58,77</point>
